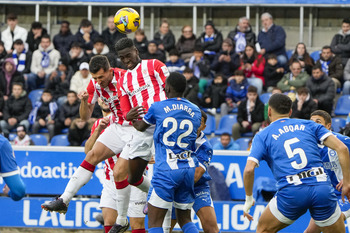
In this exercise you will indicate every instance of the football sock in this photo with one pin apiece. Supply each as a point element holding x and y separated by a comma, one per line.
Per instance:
<point>155,230</point>
<point>107,228</point>
<point>190,228</point>
<point>123,198</point>
<point>138,231</point>
<point>143,184</point>
<point>80,177</point>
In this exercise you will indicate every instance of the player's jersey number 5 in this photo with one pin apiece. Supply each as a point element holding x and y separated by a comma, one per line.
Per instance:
<point>291,153</point>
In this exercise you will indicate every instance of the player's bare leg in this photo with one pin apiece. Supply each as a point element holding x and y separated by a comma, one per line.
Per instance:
<point>80,177</point>
<point>338,226</point>
<point>137,167</point>
<point>185,221</point>
<point>156,217</point>
<point>313,228</point>
<point>109,217</point>
<point>137,225</point>
<point>208,219</point>
<point>268,223</point>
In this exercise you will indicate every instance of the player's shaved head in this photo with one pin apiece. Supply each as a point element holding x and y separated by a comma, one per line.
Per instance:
<point>177,82</point>
<point>325,115</point>
<point>281,103</point>
<point>98,62</point>
<point>123,44</point>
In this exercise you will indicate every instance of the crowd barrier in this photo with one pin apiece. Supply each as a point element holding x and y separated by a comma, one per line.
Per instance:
<point>46,171</point>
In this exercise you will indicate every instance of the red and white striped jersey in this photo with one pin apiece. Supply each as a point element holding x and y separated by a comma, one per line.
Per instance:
<point>143,85</point>
<point>110,162</point>
<point>108,95</point>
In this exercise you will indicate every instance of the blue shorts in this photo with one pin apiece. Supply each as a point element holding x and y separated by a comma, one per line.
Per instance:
<point>344,206</point>
<point>173,186</point>
<point>291,202</point>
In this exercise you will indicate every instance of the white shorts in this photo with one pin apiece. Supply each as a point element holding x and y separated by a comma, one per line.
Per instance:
<point>116,136</point>
<point>138,199</point>
<point>140,145</point>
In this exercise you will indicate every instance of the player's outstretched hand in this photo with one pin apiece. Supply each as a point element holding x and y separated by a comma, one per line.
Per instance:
<point>104,123</point>
<point>83,95</point>
<point>135,113</point>
<point>249,202</point>
<point>345,191</point>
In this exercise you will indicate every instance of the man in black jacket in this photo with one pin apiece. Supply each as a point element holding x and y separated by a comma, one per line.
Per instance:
<point>111,35</point>
<point>85,35</point>
<point>341,42</point>
<point>34,36</point>
<point>17,109</point>
<point>164,38</point>
<point>250,114</point>
<point>303,105</point>
<point>242,35</point>
<point>64,39</point>
<point>322,89</point>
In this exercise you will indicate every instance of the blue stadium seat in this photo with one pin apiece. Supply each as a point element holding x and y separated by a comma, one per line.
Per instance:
<point>315,55</point>
<point>225,125</point>
<point>35,95</point>
<point>338,123</point>
<point>43,130</point>
<point>60,140</point>
<point>65,130</point>
<point>290,53</point>
<point>211,125</point>
<point>342,107</point>
<point>214,140</point>
<point>39,139</point>
<point>265,97</point>
<point>247,135</point>
<point>243,143</point>
<point>12,136</point>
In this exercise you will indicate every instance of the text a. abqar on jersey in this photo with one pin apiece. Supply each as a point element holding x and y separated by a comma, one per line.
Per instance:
<point>287,129</point>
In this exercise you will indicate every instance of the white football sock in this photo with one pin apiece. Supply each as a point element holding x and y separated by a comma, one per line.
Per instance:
<point>123,199</point>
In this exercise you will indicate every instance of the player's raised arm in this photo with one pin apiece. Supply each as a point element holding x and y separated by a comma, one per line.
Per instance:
<point>85,109</point>
<point>343,154</point>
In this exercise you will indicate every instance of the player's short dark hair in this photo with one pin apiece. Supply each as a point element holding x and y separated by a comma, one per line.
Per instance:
<point>123,43</point>
<point>252,89</point>
<point>72,92</point>
<point>325,115</point>
<point>36,25</point>
<point>225,134</point>
<point>204,116</point>
<point>45,36</point>
<point>280,103</point>
<point>177,81</point>
<point>98,62</point>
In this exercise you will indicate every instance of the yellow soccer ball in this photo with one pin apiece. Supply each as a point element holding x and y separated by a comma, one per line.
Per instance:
<point>127,20</point>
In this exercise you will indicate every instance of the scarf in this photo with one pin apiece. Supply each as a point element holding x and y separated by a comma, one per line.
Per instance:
<point>240,42</point>
<point>325,66</point>
<point>20,61</point>
<point>45,60</point>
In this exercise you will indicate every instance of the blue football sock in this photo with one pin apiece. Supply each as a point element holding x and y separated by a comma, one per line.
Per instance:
<point>190,228</point>
<point>156,230</point>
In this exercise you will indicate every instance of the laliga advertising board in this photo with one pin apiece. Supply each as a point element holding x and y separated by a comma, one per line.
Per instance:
<point>46,171</point>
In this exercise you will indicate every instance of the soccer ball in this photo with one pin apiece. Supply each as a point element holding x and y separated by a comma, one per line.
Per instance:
<point>127,20</point>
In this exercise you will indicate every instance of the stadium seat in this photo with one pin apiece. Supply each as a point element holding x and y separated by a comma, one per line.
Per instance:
<point>243,143</point>
<point>342,107</point>
<point>12,136</point>
<point>35,95</point>
<point>65,130</point>
<point>60,140</point>
<point>290,53</point>
<point>39,139</point>
<point>315,55</point>
<point>214,140</point>
<point>265,97</point>
<point>43,130</point>
<point>211,125</point>
<point>338,123</point>
<point>247,135</point>
<point>225,125</point>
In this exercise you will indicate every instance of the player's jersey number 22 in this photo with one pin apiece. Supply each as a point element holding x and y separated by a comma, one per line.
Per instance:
<point>174,127</point>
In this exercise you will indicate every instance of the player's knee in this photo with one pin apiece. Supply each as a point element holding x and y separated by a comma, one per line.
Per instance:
<point>132,179</point>
<point>92,157</point>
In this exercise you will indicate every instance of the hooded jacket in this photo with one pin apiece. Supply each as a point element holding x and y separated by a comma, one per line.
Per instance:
<point>62,42</point>
<point>54,56</point>
<point>15,77</point>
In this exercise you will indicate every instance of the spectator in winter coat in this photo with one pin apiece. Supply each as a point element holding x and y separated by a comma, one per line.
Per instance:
<point>76,56</point>
<point>12,32</point>
<point>242,35</point>
<point>226,143</point>
<point>43,114</point>
<point>67,112</point>
<point>78,132</point>
<point>81,78</point>
<point>341,42</point>
<point>153,52</point>
<point>303,105</point>
<point>322,89</point>
<point>331,65</point>
<point>21,57</point>
<point>140,42</point>
<point>192,88</point>
<point>302,56</point>
<point>201,68</point>
<point>34,36</point>
<point>175,64</point>
<point>85,35</point>
<point>164,38</point>
<point>236,92</point>
<point>44,62</point>
<point>227,61</point>
<point>346,86</point>
<point>214,95</point>
<point>272,72</point>
<point>64,39</point>
<point>16,110</point>
<point>250,114</point>
<point>9,76</point>
<point>272,39</point>
<point>100,48</point>
<point>294,79</point>
<point>111,35</point>
<point>185,44</point>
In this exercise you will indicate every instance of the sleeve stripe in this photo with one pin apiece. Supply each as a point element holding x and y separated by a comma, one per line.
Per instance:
<point>254,160</point>
<point>9,173</point>
<point>325,136</point>
<point>204,167</point>
<point>146,121</point>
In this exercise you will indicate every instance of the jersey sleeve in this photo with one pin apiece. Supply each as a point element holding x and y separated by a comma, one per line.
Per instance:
<point>321,132</point>
<point>8,165</point>
<point>93,96</point>
<point>161,72</point>
<point>204,155</point>
<point>94,126</point>
<point>258,150</point>
<point>150,118</point>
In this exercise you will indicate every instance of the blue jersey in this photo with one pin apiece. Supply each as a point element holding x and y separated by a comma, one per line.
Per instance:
<point>8,165</point>
<point>204,152</point>
<point>290,147</point>
<point>331,161</point>
<point>177,121</point>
